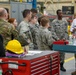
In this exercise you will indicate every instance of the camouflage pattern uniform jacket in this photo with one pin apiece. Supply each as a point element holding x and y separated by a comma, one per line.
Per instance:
<point>44,39</point>
<point>8,32</point>
<point>34,30</point>
<point>59,28</point>
<point>24,31</point>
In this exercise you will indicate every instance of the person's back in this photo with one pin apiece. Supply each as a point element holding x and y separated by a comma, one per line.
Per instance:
<point>44,37</point>
<point>8,32</point>
<point>5,27</point>
<point>5,30</point>
<point>43,40</point>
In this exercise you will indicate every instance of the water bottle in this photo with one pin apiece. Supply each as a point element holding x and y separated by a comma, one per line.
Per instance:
<point>70,39</point>
<point>74,40</point>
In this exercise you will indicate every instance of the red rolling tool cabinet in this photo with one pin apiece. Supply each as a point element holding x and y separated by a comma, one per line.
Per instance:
<point>43,63</point>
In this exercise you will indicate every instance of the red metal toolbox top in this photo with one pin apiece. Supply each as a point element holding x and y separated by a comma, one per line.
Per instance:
<point>62,42</point>
<point>34,54</point>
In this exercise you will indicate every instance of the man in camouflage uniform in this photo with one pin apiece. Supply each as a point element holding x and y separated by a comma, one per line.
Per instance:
<point>34,12</point>
<point>24,28</point>
<point>6,29</point>
<point>59,29</point>
<point>44,36</point>
<point>34,29</point>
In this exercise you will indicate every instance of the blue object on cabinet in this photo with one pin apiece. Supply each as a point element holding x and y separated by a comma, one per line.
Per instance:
<point>65,48</point>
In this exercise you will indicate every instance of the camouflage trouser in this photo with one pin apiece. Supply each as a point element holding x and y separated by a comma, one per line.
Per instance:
<point>62,57</point>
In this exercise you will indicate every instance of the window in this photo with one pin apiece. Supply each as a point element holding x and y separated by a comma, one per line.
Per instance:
<point>68,10</point>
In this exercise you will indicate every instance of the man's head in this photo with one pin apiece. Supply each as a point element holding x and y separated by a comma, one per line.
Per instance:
<point>27,14</point>
<point>33,19</point>
<point>45,22</point>
<point>39,19</point>
<point>34,11</point>
<point>3,13</point>
<point>59,13</point>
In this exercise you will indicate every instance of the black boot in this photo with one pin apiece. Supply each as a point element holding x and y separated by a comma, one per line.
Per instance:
<point>62,67</point>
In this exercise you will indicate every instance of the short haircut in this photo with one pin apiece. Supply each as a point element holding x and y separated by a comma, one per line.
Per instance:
<point>2,12</point>
<point>58,11</point>
<point>33,11</point>
<point>25,13</point>
<point>11,20</point>
<point>39,19</point>
<point>7,10</point>
<point>44,21</point>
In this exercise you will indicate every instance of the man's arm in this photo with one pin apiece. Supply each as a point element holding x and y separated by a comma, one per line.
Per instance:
<point>55,37</point>
<point>73,28</point>
<point>49,38</point>
<point>24,33</point>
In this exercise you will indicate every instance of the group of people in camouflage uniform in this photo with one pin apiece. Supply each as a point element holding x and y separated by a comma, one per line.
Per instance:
<point>35,32</point>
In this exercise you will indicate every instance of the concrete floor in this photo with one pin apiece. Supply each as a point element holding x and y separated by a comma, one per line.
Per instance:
<point>69,65</point>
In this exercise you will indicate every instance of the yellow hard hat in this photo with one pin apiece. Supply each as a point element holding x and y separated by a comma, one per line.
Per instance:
<point>14,46</point>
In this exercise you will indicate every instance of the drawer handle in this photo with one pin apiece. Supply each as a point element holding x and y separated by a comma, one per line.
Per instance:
<point>23,64</point>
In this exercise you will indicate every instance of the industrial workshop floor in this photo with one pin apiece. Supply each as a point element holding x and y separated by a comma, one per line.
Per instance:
<point>69,64</point>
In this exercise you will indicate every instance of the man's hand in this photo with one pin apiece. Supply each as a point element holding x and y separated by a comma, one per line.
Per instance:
<point>64,39</point>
